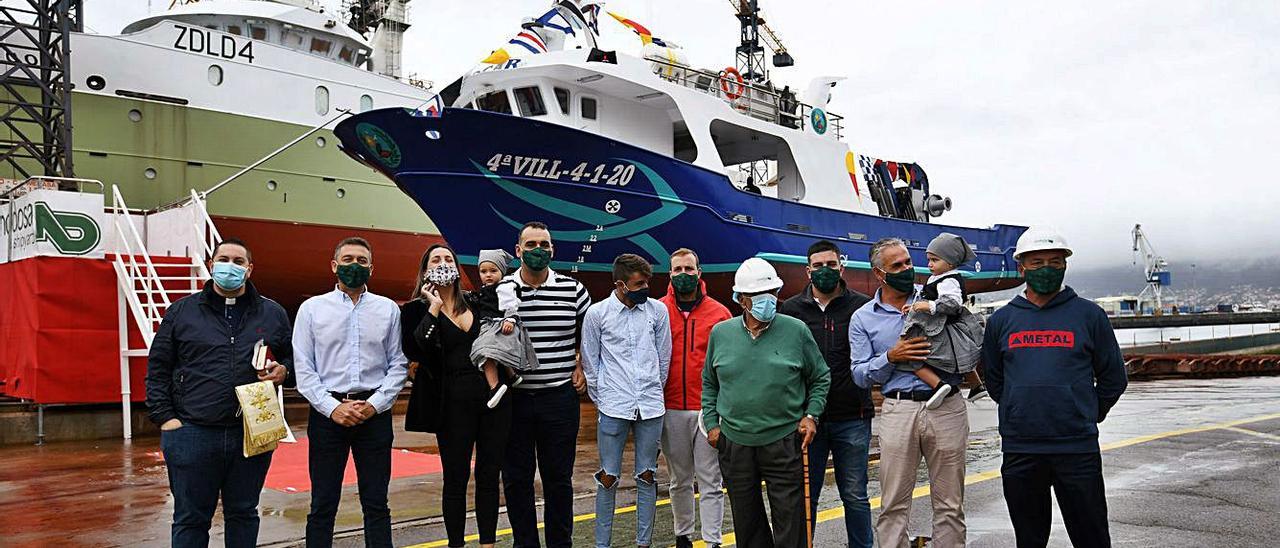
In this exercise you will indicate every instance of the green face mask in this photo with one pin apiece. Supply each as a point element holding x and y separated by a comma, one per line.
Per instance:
<point>353,275</point>
<point>684,284</point>
<point>825,279</point>
<point>904,281</point>
<point>536,259</point>
<point>1045,280</point>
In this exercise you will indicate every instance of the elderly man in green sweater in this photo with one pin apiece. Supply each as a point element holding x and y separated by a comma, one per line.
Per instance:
<point>763,386</point>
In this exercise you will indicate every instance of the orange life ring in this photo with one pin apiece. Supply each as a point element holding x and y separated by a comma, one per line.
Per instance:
<point>725,84</point>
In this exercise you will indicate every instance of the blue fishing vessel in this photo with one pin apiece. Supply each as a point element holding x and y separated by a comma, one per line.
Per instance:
<point>624,154</point>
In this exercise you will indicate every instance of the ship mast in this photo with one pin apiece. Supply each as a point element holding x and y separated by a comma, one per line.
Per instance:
<point>387,20</point>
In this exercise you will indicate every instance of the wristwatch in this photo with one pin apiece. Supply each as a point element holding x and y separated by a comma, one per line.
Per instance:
<point>812,418</point>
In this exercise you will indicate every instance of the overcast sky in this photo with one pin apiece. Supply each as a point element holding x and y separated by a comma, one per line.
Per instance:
<point>1087,115</point>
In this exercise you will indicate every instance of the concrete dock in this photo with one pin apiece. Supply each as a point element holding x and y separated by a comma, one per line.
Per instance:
<point>1188,463</point>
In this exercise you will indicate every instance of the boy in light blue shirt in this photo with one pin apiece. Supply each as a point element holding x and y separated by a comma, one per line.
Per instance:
<point>626,353</point>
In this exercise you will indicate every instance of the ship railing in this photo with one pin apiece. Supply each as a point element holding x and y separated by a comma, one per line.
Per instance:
<point>140,282</point>
<point>760,101</point>
<point>207,234</point>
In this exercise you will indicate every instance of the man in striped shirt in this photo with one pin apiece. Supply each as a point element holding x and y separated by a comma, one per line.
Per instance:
<point>544,413</point>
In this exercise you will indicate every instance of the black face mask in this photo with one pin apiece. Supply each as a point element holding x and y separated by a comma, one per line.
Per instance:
<point>904,281</point>
<point>825,279</point>
<point>536,259</point>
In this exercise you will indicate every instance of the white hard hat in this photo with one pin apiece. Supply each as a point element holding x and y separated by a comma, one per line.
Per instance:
<point>1040,238</point>
<point>756,275</point>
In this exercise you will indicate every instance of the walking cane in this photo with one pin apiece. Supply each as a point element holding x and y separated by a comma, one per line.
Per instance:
<point>808,510</point>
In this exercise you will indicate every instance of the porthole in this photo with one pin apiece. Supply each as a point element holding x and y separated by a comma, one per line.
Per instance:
<point>96,82</point>
<point>215,75</point>
<point>320,142</point>
<point>271,185</point>
<point>322,100</point>
<point>342,193</point>
<point>432,134</point>
<point>149,173</point>
<point>135,115</point>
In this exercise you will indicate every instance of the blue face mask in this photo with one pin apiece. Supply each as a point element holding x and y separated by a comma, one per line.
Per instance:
<point>764,306</point>
<point>229,276</point>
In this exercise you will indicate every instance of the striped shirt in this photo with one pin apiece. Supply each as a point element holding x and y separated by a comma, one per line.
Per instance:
<point>552,314</point>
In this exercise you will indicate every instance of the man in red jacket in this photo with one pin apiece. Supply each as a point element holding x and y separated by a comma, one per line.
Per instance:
<point>693,313</point>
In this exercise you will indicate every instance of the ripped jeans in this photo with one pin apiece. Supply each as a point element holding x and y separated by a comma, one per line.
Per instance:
<point>611,436</point>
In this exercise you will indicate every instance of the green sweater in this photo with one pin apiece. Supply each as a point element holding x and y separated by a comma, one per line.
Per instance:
<point>757,390</point>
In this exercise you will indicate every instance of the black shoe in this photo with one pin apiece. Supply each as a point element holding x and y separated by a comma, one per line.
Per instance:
<point>684,542</point>
<point>978,392</point>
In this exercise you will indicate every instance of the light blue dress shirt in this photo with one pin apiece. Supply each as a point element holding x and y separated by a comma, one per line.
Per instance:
<point>626,354</point>
<point>873,330</point>
<point>341,346</point>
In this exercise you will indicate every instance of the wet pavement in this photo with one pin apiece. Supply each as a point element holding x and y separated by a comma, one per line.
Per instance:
<point>1187,463</point>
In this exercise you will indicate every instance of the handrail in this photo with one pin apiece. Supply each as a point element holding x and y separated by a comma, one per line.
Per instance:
<point>210,238</point>
<point>757,101</point>
<point>76,180</point>
<point>181,201</point>
<point>148,312</point>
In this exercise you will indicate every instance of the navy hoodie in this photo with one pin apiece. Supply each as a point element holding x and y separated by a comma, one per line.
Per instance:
<point>1055,371</point>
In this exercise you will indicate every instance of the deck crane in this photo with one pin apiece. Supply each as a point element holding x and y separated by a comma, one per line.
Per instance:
<point>1154,269</point>
<point>750,53</point>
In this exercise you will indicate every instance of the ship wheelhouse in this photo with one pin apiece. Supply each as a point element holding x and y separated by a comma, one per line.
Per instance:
<point>757,136</point>
<point>299,29</point>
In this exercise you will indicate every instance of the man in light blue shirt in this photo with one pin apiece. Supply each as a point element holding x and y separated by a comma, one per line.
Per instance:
<point>907,431</point>
<point>626,353</point>
<point>350,366</point>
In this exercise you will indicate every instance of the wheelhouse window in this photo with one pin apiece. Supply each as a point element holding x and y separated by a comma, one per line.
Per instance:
<point>321,46</point>
<point>346,54</point>
<point>258,33</point>
<point>292,40</point>
<point>588,108</point>
<point>366,103</point>
<point>494,102</point>
<point>234,29</point>
<point>562,97</point>
<point>529,100</point>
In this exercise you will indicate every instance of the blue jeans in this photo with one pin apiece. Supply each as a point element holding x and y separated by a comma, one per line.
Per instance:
<point>205,462</point>
<point>848,442</point>
<point>611,436</point>
<point>329,446</point>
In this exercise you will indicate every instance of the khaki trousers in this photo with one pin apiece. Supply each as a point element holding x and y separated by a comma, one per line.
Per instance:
<point>907,432</point>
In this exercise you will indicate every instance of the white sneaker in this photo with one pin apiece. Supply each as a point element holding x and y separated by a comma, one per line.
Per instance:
<point>496,398</point>
<point>939,394</point>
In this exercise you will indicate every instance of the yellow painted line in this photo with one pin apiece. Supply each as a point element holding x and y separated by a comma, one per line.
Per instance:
<point>1263,435</point>
<point>923,490</point>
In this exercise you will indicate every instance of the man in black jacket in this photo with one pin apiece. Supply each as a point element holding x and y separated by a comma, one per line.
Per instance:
<point>844,430</point>
<point>203,350</point>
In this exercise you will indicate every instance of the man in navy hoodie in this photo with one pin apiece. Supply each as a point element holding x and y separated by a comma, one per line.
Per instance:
<point>1053,365</point>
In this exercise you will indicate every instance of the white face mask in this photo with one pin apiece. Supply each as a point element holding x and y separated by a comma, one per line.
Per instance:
<point>442,274</point>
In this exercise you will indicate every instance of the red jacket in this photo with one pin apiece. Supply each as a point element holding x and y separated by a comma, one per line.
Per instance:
<point>689,337</point>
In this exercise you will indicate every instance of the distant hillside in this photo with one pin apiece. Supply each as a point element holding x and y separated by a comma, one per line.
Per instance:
<point>1250,280</point>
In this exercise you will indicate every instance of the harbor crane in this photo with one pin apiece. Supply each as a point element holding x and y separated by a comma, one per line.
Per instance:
<point>1154,269</point>
<point>750,53</point>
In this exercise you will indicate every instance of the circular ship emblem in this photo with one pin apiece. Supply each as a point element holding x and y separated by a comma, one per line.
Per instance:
<point>819,121</point>
<point>613,206</point>
<point>379,144</point>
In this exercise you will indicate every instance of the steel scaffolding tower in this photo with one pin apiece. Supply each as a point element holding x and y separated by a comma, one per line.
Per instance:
<point>35,86</point>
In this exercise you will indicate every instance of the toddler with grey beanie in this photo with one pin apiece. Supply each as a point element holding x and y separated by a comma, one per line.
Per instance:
<point>501,342</point>
<point>954,333</point>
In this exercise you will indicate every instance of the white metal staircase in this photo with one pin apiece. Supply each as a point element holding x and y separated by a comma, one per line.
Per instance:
<point>148,287</point>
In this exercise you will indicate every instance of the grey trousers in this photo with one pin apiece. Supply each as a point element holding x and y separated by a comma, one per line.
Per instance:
<point>908,432</point>
<point>689,456</point>
<point>779,466</point>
